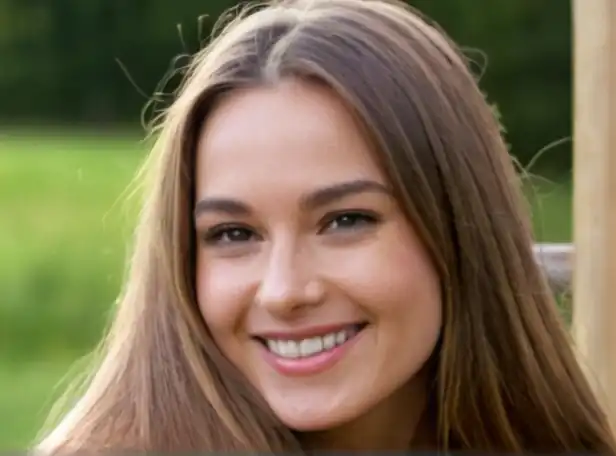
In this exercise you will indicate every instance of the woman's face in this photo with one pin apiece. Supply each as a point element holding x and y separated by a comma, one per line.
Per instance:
<point>309,277</point>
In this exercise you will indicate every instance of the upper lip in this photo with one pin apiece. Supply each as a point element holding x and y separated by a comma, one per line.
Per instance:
<point>304,333</point>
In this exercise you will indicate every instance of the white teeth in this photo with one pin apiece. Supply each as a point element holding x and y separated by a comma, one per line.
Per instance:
<point>288,349</point>
<point>311,346</point>
<point>308,347</point>
<point>329,341</point>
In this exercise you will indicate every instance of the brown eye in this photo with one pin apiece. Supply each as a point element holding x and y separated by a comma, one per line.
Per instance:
<point>227,235</point>
<point>350,221</point>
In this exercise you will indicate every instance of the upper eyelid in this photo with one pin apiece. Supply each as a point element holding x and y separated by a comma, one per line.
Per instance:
<point>354,212</point>
<point>209,228</point>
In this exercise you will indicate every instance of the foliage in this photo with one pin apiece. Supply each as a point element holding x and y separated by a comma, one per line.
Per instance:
<point>98,61</point>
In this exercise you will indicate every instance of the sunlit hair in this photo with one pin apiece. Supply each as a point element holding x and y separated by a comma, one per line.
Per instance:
<point>505,376</point>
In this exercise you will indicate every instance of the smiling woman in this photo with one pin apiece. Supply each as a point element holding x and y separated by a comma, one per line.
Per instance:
<point>313,281</point>
<point>334,255</point>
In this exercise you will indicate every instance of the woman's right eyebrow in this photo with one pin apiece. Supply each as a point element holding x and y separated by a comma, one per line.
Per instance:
<point>221,205</point>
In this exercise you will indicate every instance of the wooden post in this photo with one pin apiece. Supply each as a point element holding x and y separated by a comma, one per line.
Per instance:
<point>594,200</point>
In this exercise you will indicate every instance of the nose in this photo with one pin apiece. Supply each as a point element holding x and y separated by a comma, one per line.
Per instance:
<point>288,282</point>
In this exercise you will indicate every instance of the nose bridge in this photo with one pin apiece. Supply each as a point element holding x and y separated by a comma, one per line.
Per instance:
<point>285,276</point>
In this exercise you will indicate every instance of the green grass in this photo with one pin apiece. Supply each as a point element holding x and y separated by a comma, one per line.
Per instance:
<point>28,390</point>
<point>552,215</point>
<point>63,243</point>
<point>62,240</point>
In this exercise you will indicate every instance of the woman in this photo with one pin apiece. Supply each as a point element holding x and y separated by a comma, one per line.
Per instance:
<point>334,254</point>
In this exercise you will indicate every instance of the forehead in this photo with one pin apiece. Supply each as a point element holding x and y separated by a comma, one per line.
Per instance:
<point>292,135</point>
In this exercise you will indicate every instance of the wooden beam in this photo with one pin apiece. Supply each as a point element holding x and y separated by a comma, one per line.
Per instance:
<point>557,261</point>
<point>594,201</point>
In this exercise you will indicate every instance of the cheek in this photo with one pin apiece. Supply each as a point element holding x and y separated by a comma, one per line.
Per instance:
<point>219,295</point>
<point>401,290</point>
<point>396,279</point>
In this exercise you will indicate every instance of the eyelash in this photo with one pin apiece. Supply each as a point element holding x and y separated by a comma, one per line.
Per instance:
<point>364,217</point>
<point>215,236</point>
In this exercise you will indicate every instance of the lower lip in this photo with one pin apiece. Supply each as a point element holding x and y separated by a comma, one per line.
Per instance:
<point>309,365</point>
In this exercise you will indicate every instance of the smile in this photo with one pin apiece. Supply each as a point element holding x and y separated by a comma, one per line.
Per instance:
<point>293,355</point>
<point>311,346</point>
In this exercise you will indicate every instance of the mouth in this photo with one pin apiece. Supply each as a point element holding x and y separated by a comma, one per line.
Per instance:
<point>297,348</point>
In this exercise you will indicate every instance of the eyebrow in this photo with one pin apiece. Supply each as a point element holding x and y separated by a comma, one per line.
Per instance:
<point>313,200</point>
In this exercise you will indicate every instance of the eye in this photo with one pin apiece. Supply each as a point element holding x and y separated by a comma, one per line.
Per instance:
<point>228,234</point>
<point>351,220</point>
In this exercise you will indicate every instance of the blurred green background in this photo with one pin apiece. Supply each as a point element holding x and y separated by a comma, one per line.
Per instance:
<point>75,78</point>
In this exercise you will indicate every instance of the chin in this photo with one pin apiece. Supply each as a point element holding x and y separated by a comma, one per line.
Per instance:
<point>304,419</point>
<point>311,424</point>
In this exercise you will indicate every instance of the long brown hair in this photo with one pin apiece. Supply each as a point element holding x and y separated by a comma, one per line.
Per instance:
<point>506,377</point>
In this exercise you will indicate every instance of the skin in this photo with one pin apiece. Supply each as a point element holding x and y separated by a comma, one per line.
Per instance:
<point>284,259</point>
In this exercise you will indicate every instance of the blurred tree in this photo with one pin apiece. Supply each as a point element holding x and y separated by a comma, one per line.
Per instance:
<point>80,62</point>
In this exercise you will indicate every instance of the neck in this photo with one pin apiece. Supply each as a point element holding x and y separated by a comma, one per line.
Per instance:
<point>399,423</point>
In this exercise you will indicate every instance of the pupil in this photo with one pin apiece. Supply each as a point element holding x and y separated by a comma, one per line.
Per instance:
<point>346,220</point>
